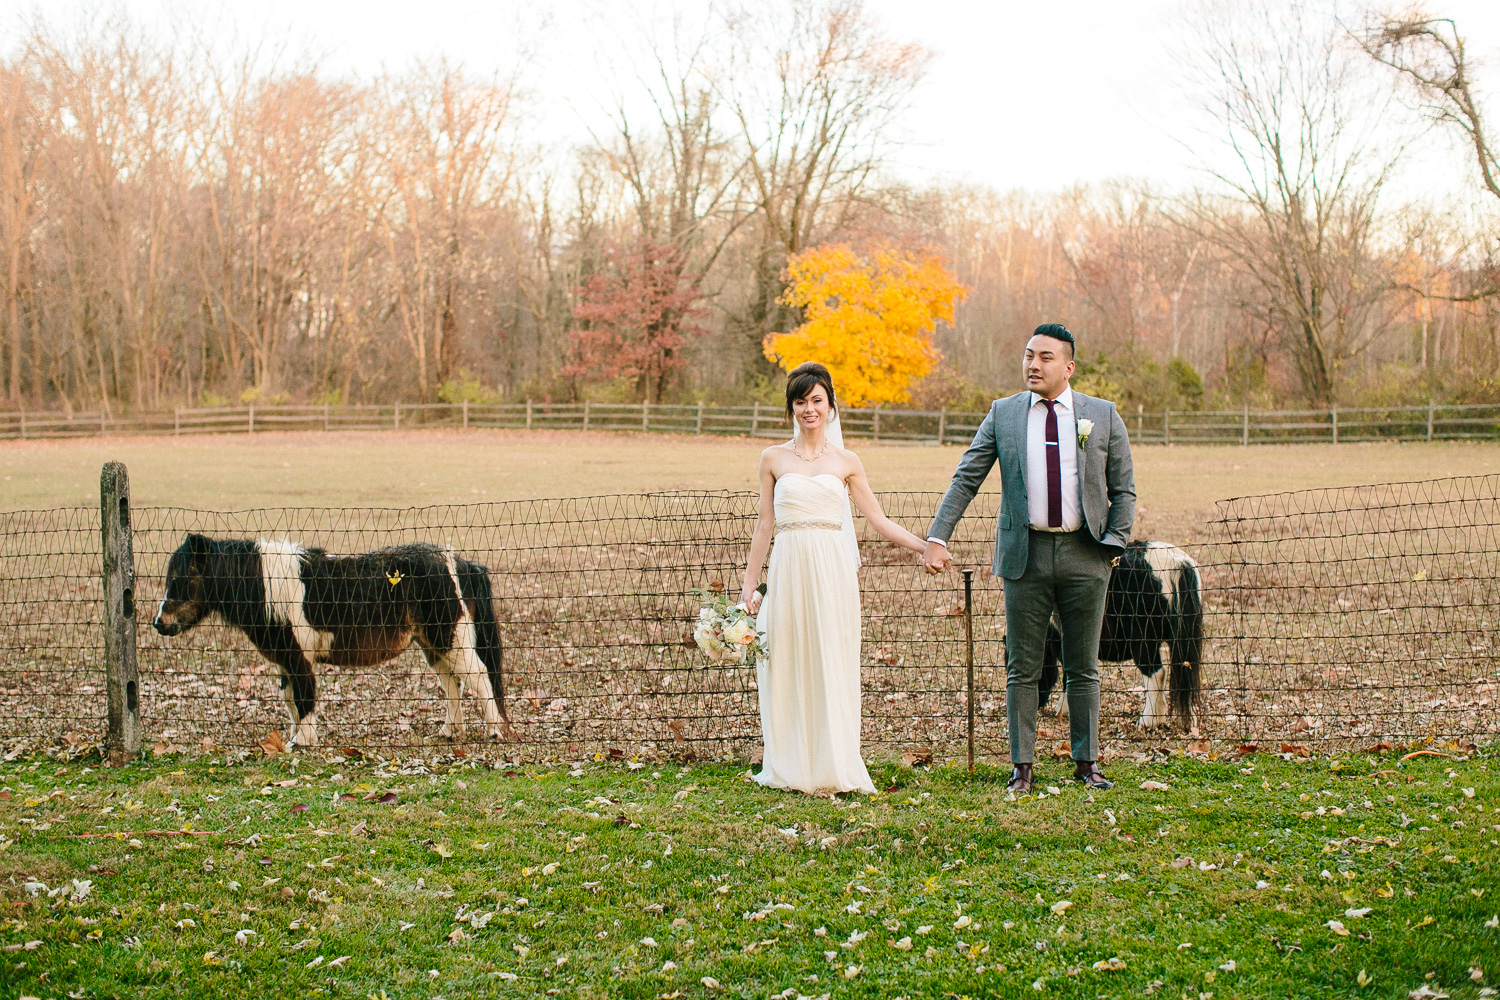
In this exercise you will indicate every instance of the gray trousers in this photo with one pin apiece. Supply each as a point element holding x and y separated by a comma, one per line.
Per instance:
<point>1068,572</point>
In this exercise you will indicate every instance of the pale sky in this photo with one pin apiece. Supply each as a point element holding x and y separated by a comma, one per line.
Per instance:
<point>1032,95</point>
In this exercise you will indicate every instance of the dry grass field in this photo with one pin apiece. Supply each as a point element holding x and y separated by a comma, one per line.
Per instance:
<point>421,468</point>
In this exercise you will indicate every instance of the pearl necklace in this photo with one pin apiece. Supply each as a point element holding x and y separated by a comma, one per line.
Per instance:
<point>815,457</point>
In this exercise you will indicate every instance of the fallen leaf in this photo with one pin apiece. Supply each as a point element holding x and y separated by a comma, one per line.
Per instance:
<point>917,757</point>
<point>1296,749</point>
<point>1114,964</point>
<point>709,982</point>
<point>1061,906</point>
<point>272,743</point>
<point>1338,928</point>
<point>1154,786</point>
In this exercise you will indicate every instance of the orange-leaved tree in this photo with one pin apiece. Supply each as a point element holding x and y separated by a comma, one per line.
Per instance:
<point>868,318</point>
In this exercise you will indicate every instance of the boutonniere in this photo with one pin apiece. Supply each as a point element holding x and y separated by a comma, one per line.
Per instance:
<point>1085,425</point>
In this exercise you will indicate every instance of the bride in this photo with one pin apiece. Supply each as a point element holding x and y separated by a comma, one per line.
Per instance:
<point>809,683</point>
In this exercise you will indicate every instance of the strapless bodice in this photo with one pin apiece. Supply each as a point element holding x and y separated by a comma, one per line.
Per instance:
<point>804,501</point>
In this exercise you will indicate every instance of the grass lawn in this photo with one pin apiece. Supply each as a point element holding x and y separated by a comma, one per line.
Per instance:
<point>1177,485</point>
<point>1256,877</point>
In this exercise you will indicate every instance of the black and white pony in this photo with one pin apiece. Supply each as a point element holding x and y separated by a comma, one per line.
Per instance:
<point>1155,597</point>
<point>301,607</point>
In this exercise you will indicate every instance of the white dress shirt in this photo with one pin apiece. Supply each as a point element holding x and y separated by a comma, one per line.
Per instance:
<point>1036,463</point>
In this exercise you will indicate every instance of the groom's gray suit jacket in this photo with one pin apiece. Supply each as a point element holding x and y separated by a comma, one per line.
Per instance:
<point>1106,479</point>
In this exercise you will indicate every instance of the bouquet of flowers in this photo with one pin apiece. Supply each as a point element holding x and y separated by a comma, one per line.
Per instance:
<point>725,632</point>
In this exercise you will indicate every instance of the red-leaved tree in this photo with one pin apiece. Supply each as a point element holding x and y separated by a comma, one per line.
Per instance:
<point>635,316</point>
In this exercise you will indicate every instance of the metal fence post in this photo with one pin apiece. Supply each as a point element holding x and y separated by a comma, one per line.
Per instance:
<point>122,739</point>
<point>969,653</point>
<point>1430,407</point>
<point>942,423</point>
<point>700,416</point>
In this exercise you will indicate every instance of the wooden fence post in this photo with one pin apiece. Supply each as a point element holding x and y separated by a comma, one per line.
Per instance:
<point>1334,414</point>
<point>122,739</point>
<point>645,415</point>
<point>755,419</point>
<point>875,426</point>
<point>1166,426</point>
<point>252,419</point>
<point>942,424</point>
<point>398,417</point>
<point>1430,407</point>
<point>585,414</point>
<point>1140,419</point>
<point>1245,428</point>
<point>103,417</point>
<point>176,421</point>
<point>325,418</point>
<point>466,414</point>
<point>700,416</point>
<point>528,414</point>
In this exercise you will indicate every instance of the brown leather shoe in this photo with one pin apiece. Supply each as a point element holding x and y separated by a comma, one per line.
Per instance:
<point>1088,772</point>
<point>1020,779</point>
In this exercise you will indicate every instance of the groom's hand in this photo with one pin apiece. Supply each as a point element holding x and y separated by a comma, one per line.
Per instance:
<point>935,558</point>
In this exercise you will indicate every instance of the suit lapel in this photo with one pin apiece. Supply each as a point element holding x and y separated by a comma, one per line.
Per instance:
<point>1016,428</point>
<point>1082,410</point>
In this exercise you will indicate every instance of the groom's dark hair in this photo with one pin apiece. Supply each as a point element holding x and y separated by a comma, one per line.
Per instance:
<point>1057,332</point>
<point>803,379</point>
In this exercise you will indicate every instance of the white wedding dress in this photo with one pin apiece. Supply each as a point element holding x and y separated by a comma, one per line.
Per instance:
<point>809,683</point>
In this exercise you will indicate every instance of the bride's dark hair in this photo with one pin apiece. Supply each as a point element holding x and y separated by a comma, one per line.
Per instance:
<point>803,379</point>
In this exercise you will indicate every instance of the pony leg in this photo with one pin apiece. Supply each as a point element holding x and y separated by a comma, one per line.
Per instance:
<point>299,694</point>
<point>453,726</point>
<point>1156,710</point>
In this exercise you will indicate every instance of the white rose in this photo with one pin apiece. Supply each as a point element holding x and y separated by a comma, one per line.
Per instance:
<point>708,641</point>
<point>1085,426</point>
<point>740,633</point>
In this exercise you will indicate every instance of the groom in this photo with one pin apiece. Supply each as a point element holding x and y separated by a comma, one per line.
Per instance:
<point>1067,504</point>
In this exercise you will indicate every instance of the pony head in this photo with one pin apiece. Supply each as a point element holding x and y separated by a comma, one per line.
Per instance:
<point>185,602</point>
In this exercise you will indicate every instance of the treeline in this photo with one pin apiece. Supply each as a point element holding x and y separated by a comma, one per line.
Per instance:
<point>180,227</point>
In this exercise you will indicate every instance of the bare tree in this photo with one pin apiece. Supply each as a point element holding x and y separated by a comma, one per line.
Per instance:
<point>816,90</point>
<point>1298,212</point>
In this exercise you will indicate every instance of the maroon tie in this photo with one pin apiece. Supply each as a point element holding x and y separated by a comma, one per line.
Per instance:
<point>1054,468</point>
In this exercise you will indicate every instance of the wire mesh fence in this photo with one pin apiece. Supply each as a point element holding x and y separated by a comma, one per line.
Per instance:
<point>1331,615</point>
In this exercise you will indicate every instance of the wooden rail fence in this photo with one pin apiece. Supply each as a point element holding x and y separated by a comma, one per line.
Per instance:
<point>1432,422</point>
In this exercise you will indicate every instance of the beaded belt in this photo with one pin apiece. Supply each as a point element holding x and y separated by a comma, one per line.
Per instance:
<point>809,526</point>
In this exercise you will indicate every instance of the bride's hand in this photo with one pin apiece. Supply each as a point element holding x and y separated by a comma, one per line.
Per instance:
<point>751,601</point>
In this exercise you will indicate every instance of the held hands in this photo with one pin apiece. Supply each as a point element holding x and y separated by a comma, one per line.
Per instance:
<point>751,601</point>
<point>935,558</point>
